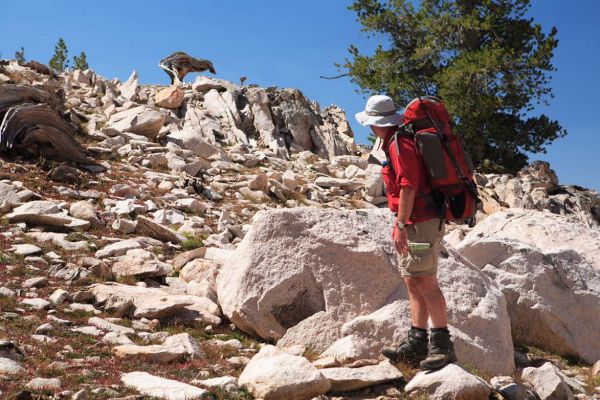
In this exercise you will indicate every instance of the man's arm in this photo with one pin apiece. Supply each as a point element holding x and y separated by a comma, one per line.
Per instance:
<point>406,201</point>
<point>405,204</point>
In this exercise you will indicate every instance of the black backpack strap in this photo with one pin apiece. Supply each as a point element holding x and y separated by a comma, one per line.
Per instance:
<point>386,150</point>
<point>404,131</point>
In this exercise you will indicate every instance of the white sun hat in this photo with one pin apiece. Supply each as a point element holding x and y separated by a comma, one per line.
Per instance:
<point>379,111</point>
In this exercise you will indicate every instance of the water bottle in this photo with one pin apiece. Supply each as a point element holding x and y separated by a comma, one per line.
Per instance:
<point>419,246</point>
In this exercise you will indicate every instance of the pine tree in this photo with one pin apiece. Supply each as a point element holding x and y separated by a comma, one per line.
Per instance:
<point>487,59</point>
<point>81,61</point>
<point>60,59</point>
<point>20,55</point>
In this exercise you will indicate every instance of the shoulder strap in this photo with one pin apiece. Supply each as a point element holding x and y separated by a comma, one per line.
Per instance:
<point>402,131</point>
<point>386,150</point>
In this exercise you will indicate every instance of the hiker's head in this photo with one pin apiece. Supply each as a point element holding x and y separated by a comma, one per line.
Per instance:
<point>380,113</point>
<point>383,131</point>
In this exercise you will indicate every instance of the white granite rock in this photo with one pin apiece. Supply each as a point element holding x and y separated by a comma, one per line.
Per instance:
<point>58,296</point>
<point>450,382</point>
<point>161,388</point>
<point>10,367</point>
<point>140,263</point>
<point>109,326</point>
<point>36,303</point>
<point>47,213</point>
<point>347,379</point>
<point>328,295</point>
<point>174,347</point>
<point>547,382</point>
<point>39,384</point>
<point>25,250</point>
<point>547,268</point>
<point>273,374</point>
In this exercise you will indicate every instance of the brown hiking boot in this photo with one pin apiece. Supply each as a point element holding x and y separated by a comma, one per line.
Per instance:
<point>412,350</point>
<point>441,352</point>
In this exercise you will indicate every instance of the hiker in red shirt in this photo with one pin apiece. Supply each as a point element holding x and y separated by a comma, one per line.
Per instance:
<point>417,234</point>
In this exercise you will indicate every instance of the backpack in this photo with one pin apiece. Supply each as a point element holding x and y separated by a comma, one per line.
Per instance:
<point>449,167</point>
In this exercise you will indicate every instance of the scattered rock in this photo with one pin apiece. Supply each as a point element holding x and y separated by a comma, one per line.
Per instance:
<point>36,303</point>
<point>37,282</point>
<point>193,141</point>
<point>183,258</point>
<point>7,292</point>
<point>88,330</point>
<point>149,228</point>
<point>144,302</point>
<point>124,225</point>
<point>9,193</point>
<point>59,239</point>
<point>25,250</point>
<point>205,83</point>
<point>109,326</point>
<point>347,379</point>
<point>123,246</point>
<point>227,383</point>
<point>39,384</point>
<point>161,388</point>
<point>58,296</point>
<point>170,97</point>
<point>273,374</point>
<point>10,367</point>
<point>140,263</point>
<point>130,88</point>
<point>547,382</point>
<point>139,120</point>
<point>83,210</point>
<point>117,338</point>
<point>191,205</point>
<point>536,187</point>
<point>450,382</point>
<point>510,389</point>
<point>174,347</point>
<point>43,212</point>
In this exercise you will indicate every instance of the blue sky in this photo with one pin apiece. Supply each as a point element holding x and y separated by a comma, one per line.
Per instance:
<point>292,43</point>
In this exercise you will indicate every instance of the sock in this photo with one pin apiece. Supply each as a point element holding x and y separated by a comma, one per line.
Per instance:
<point>418,329</point>
<point>443,329</point>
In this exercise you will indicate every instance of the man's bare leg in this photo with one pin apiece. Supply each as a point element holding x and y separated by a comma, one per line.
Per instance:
<point>442,349</point>
<point>434,299</point>
<point>418,305</point>
<point>413,350</point>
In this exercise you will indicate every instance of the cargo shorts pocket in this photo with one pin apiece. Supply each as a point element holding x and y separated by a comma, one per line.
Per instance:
<point>424,261</point>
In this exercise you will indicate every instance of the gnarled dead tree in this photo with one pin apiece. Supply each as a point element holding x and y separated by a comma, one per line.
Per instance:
<point>179,64</point>
<point>30,125</point>
<point>14,94</point>
<point>36,129</point>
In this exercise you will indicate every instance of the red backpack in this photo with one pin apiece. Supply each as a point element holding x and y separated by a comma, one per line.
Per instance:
<point>448,166</point>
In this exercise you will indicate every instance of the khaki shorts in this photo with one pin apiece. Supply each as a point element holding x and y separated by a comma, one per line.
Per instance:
<point>422,262</point>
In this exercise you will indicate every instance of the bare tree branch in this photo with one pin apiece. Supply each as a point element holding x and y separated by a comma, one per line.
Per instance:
<point>334,77</point>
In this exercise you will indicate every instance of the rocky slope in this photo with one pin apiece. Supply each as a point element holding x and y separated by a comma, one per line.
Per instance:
<point>190,229</point>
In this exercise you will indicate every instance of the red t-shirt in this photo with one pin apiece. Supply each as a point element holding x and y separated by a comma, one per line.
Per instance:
<point>408,171</point>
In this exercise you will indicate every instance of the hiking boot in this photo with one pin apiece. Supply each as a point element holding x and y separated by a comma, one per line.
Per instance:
<point>441,352</point>
<point>412,350</point>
